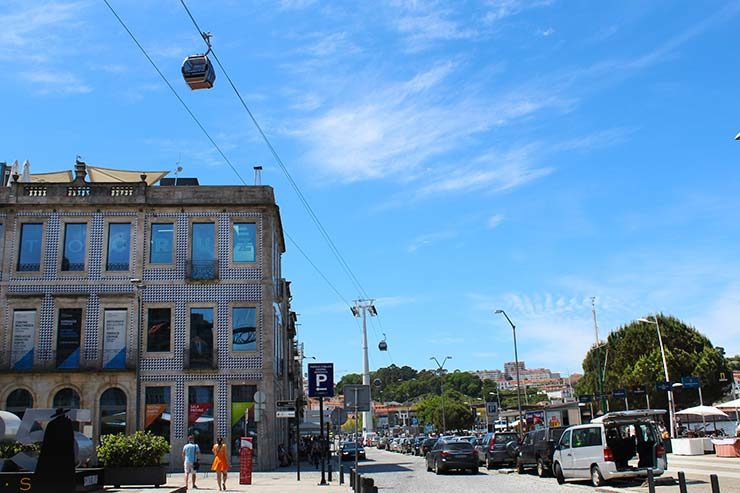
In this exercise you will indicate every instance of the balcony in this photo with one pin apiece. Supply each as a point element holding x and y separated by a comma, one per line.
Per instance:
<point>194,360</point>
<point>202,270</point>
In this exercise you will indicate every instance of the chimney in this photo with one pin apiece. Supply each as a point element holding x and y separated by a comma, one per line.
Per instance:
<point>258,175</point>
<point>80,170</point>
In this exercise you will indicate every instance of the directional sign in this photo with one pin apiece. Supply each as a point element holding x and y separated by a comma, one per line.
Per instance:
<point>690,382</point>
<point>585,398</point>
<point>285,405</point>
<point>663,386</point>
<point>640,390</point>
<point>285,414</point>
<point>338,416</point>
<point>619,393</point>
<point>321,379</point>
<point>357,397</point>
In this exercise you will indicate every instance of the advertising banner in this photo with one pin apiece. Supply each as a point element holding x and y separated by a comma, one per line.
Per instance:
<point>153,412</point>
<point>68,338</point>
<point>195,411</point>
<point>114,338</point>
<point>24,339</point>
<point>245,460</point>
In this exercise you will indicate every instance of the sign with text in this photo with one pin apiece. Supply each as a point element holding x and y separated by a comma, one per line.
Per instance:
<point>663,386</point>
<point>321,379</point>
<point>640,390</point>
<point>492,410</point>
<point>690,382</point>
<point>357,397</point>
<point>24,339</point>
<point>619,393</point>
<point>114,338</point>
<point>585,398</point>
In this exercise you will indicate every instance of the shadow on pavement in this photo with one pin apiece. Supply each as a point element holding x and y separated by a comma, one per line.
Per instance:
<point>368,467</point>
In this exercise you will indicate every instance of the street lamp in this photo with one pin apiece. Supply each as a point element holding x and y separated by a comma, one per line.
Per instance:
<point>665,371</point>
<point>440,367</point>
<point>516,362</point>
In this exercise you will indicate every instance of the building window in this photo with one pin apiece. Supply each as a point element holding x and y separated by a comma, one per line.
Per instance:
<point>69,333</point>
<point>75,238</point>
<point>200,416</point>
<point>18,401</point>
<point>203,252</point>
<point>244,242</point>
<point>67,398</point>
<point>114,338</point>
<point>201,338</point>
<point>159,323</point>
<point>244,329</point>
<point>242,406</point>
<point>112,412</point>
<point>23,340</point>
<point>161,244</point>
<point>119,247</point>
<point>29,253</point>
<point>157,413</point>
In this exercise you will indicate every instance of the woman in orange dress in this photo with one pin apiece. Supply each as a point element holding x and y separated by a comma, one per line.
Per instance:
<point>220,464</point>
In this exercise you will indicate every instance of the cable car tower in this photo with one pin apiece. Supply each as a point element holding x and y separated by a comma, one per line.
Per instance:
<point>197,70</point>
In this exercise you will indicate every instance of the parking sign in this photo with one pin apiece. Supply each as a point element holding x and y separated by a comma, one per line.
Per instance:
<point>321,379</point>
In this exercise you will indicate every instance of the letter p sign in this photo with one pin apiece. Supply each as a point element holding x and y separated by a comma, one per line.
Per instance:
<point>321,379</point>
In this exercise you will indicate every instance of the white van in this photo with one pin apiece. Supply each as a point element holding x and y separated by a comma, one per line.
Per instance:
<point>622,444</point>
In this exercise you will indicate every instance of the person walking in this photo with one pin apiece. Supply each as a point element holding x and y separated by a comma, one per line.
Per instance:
<point>190,453</point>
<point>220,463</point>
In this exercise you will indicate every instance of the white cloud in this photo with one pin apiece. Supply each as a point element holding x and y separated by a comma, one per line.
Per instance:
<point>546,32</point>
<point>501,9</point>
<point>296,4</point>
<point>495,220</point>
<point>427,240</point>
<point>52,82</point>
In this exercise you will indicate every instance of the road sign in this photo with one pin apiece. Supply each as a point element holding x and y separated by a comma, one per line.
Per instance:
<point>663,386</point>
<point>690,382</point>
<point>619,393</point>
<point>338,416</point>
<point>321,379</point>
<point>492,410</point>
<point>585,398</point>
<point>640,390</point>
<point>260,397</point>
<point>285,405</point>
<point>357,397</point>
<point>285,414</point>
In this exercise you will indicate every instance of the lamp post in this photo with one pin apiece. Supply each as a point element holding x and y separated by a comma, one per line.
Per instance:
<point>516,362</point>
<point>665,371</point>
<point>138,288</point>
<point>440,367</point>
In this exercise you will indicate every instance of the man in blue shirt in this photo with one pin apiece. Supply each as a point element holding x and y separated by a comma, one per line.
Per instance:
<point>190,456</point>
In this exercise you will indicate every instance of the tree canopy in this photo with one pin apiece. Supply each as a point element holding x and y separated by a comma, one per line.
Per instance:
<point>631,356</point>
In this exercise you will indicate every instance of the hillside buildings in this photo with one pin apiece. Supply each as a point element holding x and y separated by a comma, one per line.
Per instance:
<point>156,307</point>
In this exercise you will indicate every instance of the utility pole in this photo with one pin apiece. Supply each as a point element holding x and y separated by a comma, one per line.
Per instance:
<point>364,307</point>
<point>599,377</point>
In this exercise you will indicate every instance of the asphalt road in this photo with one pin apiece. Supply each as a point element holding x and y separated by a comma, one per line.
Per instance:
<point>394,472</point>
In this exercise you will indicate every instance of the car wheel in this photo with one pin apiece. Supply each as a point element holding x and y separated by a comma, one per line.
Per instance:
<point>519,468</point>
<point>429,468</point>
<point>541,468</point>
<point>596,478</point>
<point>489,464</point>
<point>474,470</point>
<point>559,473</point>
<point>437,469</point>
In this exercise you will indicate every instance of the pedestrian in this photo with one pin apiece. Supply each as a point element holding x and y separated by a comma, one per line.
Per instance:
<point>315,453</point>
<point>220,463</point>
<point>55,470</point>
<point>190,453</point>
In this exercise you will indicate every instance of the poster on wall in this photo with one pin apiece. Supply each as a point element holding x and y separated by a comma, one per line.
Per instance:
<point>114,338</point>
<point>24,335</point>
<point>68,338</point>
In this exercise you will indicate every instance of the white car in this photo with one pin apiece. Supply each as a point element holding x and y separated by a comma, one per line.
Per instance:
<point>622,444</point>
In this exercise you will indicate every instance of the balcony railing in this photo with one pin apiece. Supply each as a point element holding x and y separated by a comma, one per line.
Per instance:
<point>194,360</point>
<point>202,270</point>
<point>117,266</point>
<point>47,361</point>
<point>29,267</point>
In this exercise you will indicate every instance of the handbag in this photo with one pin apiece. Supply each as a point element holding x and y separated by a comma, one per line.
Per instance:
<point>196,465</point>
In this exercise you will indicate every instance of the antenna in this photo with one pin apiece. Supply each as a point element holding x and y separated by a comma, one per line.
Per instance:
<point>258,175</point>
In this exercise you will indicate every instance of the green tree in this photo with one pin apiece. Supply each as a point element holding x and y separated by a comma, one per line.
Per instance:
<point>347,379</point>
<point>632,356</point>
<point>733,363</point>
<point>464,382</point>
<point>458,414</point>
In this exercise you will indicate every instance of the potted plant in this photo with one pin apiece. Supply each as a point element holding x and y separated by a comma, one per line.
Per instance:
<point>9,449</point>
<point>133,459</point>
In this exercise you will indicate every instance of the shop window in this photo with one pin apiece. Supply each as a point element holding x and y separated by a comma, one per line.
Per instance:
<point>119,247</point>
<point>157,413</point>
<point>75,240</point>
<point>67,398</point>
<point>161,244</point>
<point>203,252</point>
<point>29,250</point>
<point>159,323</point>
<point>18,401</point>
<point>244,244</point>
<point>244,329</point>
<point>113,412</point>
<point>242,416</point>
<point>200,416</point>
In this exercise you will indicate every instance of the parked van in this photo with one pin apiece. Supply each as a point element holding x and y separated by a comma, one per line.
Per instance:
<point>624,444</point>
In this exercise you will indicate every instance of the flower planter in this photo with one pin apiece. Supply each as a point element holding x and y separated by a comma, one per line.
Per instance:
<point>144,475</point>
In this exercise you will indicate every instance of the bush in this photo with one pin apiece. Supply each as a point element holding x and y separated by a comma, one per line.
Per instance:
<point>9,448</point>
<point>139,449</point>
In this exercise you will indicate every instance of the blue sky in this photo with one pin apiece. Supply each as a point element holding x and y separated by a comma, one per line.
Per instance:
<point>464,156</point>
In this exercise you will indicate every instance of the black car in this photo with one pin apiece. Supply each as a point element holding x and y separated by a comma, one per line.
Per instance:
<point>445,456</point>
<point>348,451</point>
<point>426,446</point>
<point>537,449</point>
<point>498,449</point>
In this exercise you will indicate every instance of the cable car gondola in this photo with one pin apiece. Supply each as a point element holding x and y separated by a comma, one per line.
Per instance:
<point>382,345</point>
<point>197,70</point>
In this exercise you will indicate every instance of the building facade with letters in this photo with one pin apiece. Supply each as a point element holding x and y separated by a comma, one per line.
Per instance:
<point>142,301</point>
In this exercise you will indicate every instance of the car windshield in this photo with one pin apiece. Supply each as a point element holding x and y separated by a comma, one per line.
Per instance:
<point>458,446</point>
<point>505,437</point>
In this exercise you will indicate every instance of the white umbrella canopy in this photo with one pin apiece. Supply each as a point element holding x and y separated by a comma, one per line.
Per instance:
<point>701,411</point>
<point>729,406</point>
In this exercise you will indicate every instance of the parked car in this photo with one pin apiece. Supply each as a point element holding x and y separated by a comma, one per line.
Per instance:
<point>382,443</point>
<point>348,451</point>
<point>498,449</point>
<point>624,444</point>
<point>426,446</point>
<point>448,455</point>
<point>537,448</point>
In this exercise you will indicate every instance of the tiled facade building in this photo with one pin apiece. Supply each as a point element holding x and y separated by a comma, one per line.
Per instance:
<point>164,304</point>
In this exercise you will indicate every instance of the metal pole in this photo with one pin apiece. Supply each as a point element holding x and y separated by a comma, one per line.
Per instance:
<point>518,386</point>
<point>367,424</point>
<point>442,391</point>
<point>701,403</point>
<point>298,439</point>
<point>357,451</point>
<point>321,440</point>
<point>139,322</point>
<point>667,379</point>
<point>599,376</point>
